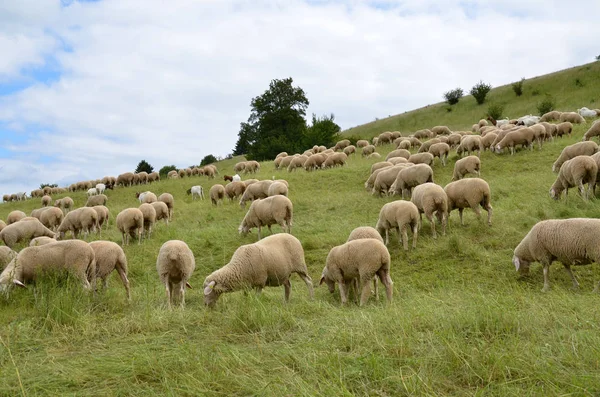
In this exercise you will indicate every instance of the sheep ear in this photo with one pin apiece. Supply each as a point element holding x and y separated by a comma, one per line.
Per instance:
<point>209,288</point>
<point>18,283</point>
<point>516,262</point>
<point>188,285</point>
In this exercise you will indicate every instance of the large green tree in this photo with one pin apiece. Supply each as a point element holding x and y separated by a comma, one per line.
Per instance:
<point>144,166</point>
<point>276,122</point>
<point>323,131</point>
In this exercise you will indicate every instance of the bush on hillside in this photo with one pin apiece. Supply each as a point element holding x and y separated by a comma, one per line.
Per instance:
<point>546,105</point>
<point>480,91</point>
<point>518,87</point>
<point>495,110</point>
<point>208,159</point>
<point>453,96</point>
<point>165,170</point>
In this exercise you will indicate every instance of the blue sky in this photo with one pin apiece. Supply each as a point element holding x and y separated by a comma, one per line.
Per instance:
<point>89,88</point>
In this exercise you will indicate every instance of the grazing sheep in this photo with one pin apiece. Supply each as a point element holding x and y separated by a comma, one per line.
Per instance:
<point>41,241</point>
<point>282,154</point>
<point>125,179</point>
<point>572,241</point>
<point>234,190</point>
<point>175,264</point>
<point>167,198</point>
<point>429,199</point>
<point>82,219</point>
<point>398,160</point>
<point>172,175</point>
<point>2,224</point>
<point>15,216</point>
<point>100,199</point>
<point>25,229</point>
<point>423,134</point>
<point>7,255</point>
<point>379,165</point>
<point>334,160</point>
<point>74,256</point>
<point>65,203</point>
<point>278,188</point>
<point>399,215</point>
<point>267,263</point>
<point>528,120</point>
<point>427,144</point>
<point>522,136</point>
<point>585,112</point>
<point>364,232</point>
<point>361,143</point>
<point>92,192</point>
<point>577,149</point>
<point>564,129</point>
<point>550,116</point>
<point>146,197</point>
<point>592,132</point>
<point>550,129</point>
<point>368,150</point>
<point>482,123</point>
<point>162,211</point>
<point>340,145</point>
<point>52,218</point>
<point>348,150</point>
<point>421,158</point>
<point>398,153</point>
<point>297,162</point>
<point>257,190</point>
<point>385,179</point>
<point>37,213</point>
<point>410,177</point>
<point>441,130</point>
<point>575,172</point>
<point>315,162</point>
<point>358,259</point>
<point>469,192</point>
<point>251,167</point>
<point>216,193</point>
<point>130,222</point>
<point>469,144</point>
<point>46,201</point>
<point>572,117</point>
<point>467,165</point>
<point>110,256</point>
<point>196,191</point>
<point>371,180</point>
<point>384,137</point>
<point>374,156</point>
<point>266,212</point>
<point>440,150</point>
<point>149,218</point>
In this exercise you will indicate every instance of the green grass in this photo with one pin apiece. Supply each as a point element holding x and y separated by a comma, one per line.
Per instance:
<point>562,86</point>
<point>462,321</point>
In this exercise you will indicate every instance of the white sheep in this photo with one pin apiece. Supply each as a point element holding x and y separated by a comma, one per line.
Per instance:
<point>522,136</point>
<point>216,193</point>
<point>358,259</point>
<point>99,199</point>
<point>130,222</point>
<point>440,150</point>
<point>149,218</point>
<point>421,158</point>
<point>162,211</point>
<point>577,149</point>
<point>236,178</point>
<point>41,241</point>
<point>100,188</point>
<point>585,112</point>
<point>109,256</point>
<point>278,188</point>
<point>267,263</point>
<point>92,192</point>
<point>46,201</point>
<point>409,177</point>
<point>466,165</point>
<point>82,219</point>
<point>470,143</point>
<point>266,212</point>
<point>364,232</point>
<point>256,190</point>
<point>572,117</point>
<point>592,132</point>
<point>103,216</point>
<point>574,241</point>
<point>469,192</point>
<point>15,216</point>
<point>196,191</point>
<point>431,199</point>
<point>25,229</point>
<point>399,215</point>
<point>175,264</point>
<point>575,172</point>
<point>65,203</point>
<point>167,198</point>
<point>52,217</point>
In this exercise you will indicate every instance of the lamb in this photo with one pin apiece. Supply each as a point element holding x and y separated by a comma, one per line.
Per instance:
<point>592,132</point>
<point>162,211</point>
<point>469,192</point>
<point>109,256</point>
<point>196,191</point>
<point>564,128</point>
<point>82,219</point>
<point>74,256</point>
<point>399,215</point>
<point>92,192</point>
<point>46,201</point>
<point>52,218</point>
<point>235,189</point>
<point>100,199</point>
<point>216,193</point>
<point>358,259</point>
<point>577,149</point>
<point>410,177</point>
<point>575,172</point>
<point>175,265</point>
<point>167,198</point>
<point>268,262</point>
<point>278,188</point>
<point>470,143</point>
<point>585,112</point>
<point>429,199</point>
<point>15,216</point>
<point>398,153</point>
<point>6,256</point>
<point>266,212</point>
<point>421,158</point>
<point>572,117</point>
<point>368,150</point>
<point>522,136</point>
<point>129,222</point>
<point>25,229</point>
<point>550,116</point>
<point>467,165</point>
<point>571,241</point>
<point>334,160</point>
<point>440,150</point>
<point>257,190</point>
<point>149,218</point>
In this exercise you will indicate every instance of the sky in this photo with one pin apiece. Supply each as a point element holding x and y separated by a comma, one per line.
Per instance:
<point>90,88</point>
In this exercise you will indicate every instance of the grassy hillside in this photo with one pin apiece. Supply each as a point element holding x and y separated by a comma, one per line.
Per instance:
<point>462,322</point>
<point>571,88</point>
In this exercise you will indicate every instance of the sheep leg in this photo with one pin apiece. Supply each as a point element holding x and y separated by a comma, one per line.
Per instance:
<point>404,237</point>
<point>387,236</point>
<point>460,214</point>
<point>376,288</point>
<point>124,279</point>
<point>365,290</point>
<point>429,216</point>
<point>575,283</point>
<point>168,291</point>
<point>489,211</point>
<point>582,190</point>
<point>287,286</point>
<point>386,280</point>
<point>415,231</point>
<point>343,292</point>
<point>182,293</point>
<point>308,281</point>
<point>546,278</point>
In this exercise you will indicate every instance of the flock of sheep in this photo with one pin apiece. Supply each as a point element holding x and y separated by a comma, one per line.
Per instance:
<point>363,258</point>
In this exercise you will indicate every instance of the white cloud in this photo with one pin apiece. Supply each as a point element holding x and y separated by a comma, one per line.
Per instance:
<point>170,82</point>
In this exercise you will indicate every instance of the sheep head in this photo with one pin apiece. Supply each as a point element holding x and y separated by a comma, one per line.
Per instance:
<point>211,294</point>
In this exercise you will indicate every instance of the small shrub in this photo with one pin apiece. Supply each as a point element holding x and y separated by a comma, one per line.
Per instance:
<point>480,91</point>
<point>578,82</point>
<point>448,108</point>
<point>546,105</point>
<point>495,110</point>
<point>535,92</point>
<point>453,96</point>
<point>518,87</point>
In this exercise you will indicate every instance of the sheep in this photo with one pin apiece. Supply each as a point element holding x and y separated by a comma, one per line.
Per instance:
<point>172,174</point>
<point>25,229</point>
<point>249,182</point>
<point>410,177</point>
<point>592,132</point>
<point>6,256</point>
<point>398,160</point>
<point>41,241</point>
<point>550,129</point>
<point>278,188</point>
<point>297,162</point>
<point>175,265</point>
<point>427,144</point>
<point>216,193</point>
<point>235,189</point>
<point>384,137</point>
<point>441,130</point>
<point>571,241</point>
<point>37,213</point>
<point>196,191</point>
<point>539,133</point>
<point>374,156</point>
<point>266,212</point>
<point>564,128</point>
<point>181,173</point>
<point>162,211</point>
<point>422,134</point>
<point>403,144</point>
<point>528,120</point>
<point>146,197</point>
<point>522,136</point>
<point>379,165</point>
<point>475,128</point>
<point>74,256</point>
<point>575,172</point>
<point>371,180</point>
<point>429,199</point>
<point>153,177</point>
<point>252,167</point>
<point>167,198</point>
<point>315,162</point>
<point>82,219</point>
<point>572,117</point>
<point>282,154</point>
<point>466,165</point>
<point>100,199</point>
<point>482,123</point>
<point>440,150</point>
<point>577,149</point>
<point>399,214</point>
<point>125,179</point>
<point>65,203</point>
<point>268,262</point>
<point>368,150</point>
<point>92,192</point>
<point>470,143</point>
<point>129,222</point>
<point>398,153</point>
<point>550,116</point>
<point>15,216</point>
<point>257,190</point>
<point>348,150</point>
<point>361,143</point>
<point>2,224</point>
<point>52,218</point>
<point>109,256</point>
<point>340,145</point>
<point>335,160</point>
<point>469,192</point>
<point>421,158</point>
<point>385,179</point>
<point>364,232</point>
<point>149,218</point>
<point>585,112</point>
